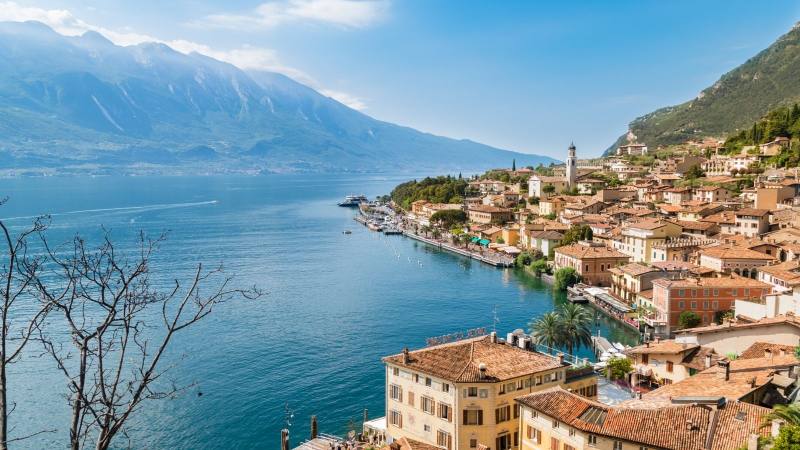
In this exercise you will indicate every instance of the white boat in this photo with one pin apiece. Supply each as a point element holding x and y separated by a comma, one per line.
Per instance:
<point>619,346</point>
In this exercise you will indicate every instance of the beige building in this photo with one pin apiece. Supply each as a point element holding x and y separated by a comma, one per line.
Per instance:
<point>664,362</point>
<point>489,214</point>
<point>639,238</point>
<point>460,395</point>
<point>733,337</point>
<point>592,261</point>
<point>537,183</point>
<point>711,194</point>
<point>555,419</point>
<point>739,260</point>
<point>751,222</point>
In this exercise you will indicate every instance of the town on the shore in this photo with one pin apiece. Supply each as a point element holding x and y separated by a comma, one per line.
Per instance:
<point>694,248</point>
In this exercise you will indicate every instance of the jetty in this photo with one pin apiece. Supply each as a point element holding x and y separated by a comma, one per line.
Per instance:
<point>497,261</point>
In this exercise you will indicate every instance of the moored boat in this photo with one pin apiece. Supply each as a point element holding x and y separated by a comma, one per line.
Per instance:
<point>353,201</point>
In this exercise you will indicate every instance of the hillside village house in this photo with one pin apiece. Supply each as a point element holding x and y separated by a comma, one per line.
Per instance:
<point>632,149</point>
<point>629,280</point>
<point>751,222</point>
<point>665,362</point>
<point>460,395</point>
<point>552,206</point>
<point>676,196</point>
<point>489,214</point>
<point>590,260</point>
<point>711,194</point>
<point>774,147</point>
<point>739,260</point>
<point>555,419</point>
<point>638,238</point>
<point>544,241</point>
<point>703,296</point>
<point>783,277</point>
<point>698,211</point>
<point>732,337</point>
<point>721,165</point>
<point>536,184</point>
<point>681,249</point>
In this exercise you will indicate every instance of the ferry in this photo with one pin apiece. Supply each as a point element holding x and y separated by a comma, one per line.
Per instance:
<point>353,201</point>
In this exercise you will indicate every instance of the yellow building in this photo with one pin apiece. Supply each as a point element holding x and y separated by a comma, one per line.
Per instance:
<point>460,395</point>
<point>638,238</point>
<point>554,419</point>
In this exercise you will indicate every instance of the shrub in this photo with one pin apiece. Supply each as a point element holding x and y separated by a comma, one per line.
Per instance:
<point>540,266</point>
<point>447,218</point>
<point>618,367</point>
<point>523,259</point>
<point>688,319</point>
<point>566,277</point>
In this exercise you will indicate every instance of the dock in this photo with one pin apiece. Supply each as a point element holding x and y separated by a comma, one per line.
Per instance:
<point>503,263</point>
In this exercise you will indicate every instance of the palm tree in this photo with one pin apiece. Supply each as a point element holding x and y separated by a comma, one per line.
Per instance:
<point>576,326</point>
<point>546,330</point>
<point>790,414</point>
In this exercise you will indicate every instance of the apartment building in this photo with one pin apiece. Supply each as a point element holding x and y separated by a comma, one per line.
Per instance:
<point>704,296</point>
<point>592,261</point>
<point>751,222</point>
<point>489,214</point>
<point>555,419</point>
<point>638,238</point>
<point>460,395</point>
<point>711,194</point>
<point>737,259</point>
<point>664,362</point>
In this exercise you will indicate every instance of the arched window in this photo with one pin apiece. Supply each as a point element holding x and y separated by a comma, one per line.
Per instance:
<point>737,271</point>
<point>745,272</point>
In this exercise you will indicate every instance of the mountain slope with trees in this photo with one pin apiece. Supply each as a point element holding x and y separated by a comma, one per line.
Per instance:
<point>740,97</point>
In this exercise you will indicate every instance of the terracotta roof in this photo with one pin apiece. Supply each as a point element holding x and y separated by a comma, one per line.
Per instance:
<point>695,225</point>
<point>665,347</point>
<point>488,209</point>
<point>727,252</point>
<point>712,282</point>
<point>581,251</point>
<point>766,322</point>
<point>788,271</point>
<point>696,359</point>
<point>547,234</point>
<point>459,361</point>
<point>759,349</point>
<point>647,224</point>
<point>726,217</point>
<point>636,269</point>
<point>679,427</point>
<point>752,212</point>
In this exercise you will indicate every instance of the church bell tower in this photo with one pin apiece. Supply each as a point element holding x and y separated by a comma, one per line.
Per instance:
<point>572,163</point>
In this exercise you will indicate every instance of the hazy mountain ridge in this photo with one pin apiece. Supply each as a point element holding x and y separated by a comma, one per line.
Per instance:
<point>739,98</point>
<point>84,102</point>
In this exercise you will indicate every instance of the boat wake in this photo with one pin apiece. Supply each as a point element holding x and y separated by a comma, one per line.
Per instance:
<point>121,209</point>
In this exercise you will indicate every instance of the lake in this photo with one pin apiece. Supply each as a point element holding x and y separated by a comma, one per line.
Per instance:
<point>336,303</point>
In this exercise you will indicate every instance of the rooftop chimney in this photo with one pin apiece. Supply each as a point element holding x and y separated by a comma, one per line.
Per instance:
<point>482,369</point>
<point>726,372</point>
<point>493,337</point>
<point>561,358</point>
<point>783,351</point>
<point>708,360</point>
<point>767,353</point>
<point>405,355</point>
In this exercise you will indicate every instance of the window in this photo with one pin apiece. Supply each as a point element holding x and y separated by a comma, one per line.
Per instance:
<point>471,392</point>
<point>681,292</point>
<point>572,431</point>
<point>428,405</point>
<point>617,445</point>
<point>395,371</point>
<point>592,440</point>
<point>568,447</point>
<point>716,292</point>
<point>519,384</point>
<point>705,292</point>
<point>554,444</point>
<point>555,424</point>
<point>396,419</point>
<point>445,412</point>
<point>473,417</point>
<point>516,410</point>
<point>473,443</point>
<point>694,305</point>
<point>503,442</point>
<point>411,398</point>
<point>502,414</point>
<point>681,304</point>
<point>502,389</point>
<point>669,366</point>
<point>427,381</point>
<point>534,435</point>
<point>538,380</point>
<point>645,358</point>
<point>747,292</point>
<point>445,387</point>
<point>426,427</point>
<point>705,304</point>
<point>396,392</point>
<point>587,268</point>
<point>483,393</point>
<point>443,439</point>
<point>416,378</point>
<point>715,304</point>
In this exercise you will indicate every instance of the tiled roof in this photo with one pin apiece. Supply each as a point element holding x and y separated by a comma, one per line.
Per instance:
<point>636,269</point>
<point>678,427</point>
<point>548,235</point>
<point>695,225</point>
<point>696,359</point>
<point>581,251</point>
<point>488,209</point>
<point>726,217</point>
<point>647,224</point>
<point>759,349</point>
<point>730,252</point>
<point>712,282</point>
<point>665,347</point>
<point>752,212</point>
<point>788,271</point>
<point>766,322</point>
<point>459,361</point>
<point>681,265</point>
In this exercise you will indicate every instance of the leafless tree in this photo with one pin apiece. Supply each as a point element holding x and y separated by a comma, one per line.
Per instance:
<point>121,325</point>
<point>20,313</point>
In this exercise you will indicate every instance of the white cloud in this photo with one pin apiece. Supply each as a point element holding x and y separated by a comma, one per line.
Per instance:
<point>346,13</point>
<point>346,99</point>
<point>245,57</point>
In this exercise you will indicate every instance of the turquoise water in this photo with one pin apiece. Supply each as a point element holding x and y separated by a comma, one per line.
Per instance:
<point>336,303</point>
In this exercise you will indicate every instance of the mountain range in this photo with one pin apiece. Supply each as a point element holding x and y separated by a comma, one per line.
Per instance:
<point>82,103</point>
<point>739,98</point>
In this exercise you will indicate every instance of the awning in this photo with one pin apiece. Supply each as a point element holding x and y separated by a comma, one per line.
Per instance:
<point>512,250</point>
<point>484,242</point>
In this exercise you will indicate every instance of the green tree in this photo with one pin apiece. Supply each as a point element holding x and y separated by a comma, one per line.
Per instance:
<point>576,326</point>
<point>548,188</point>
<point>546,330</point>
<point>577,233</point>
<point>566,277</point>
<point>618,367</point>
<point>787,413</point>
<point>448,218</point>
<point>694,172</point>
<point>788,438</point>
<point>688,319</point>
<point>540,266</point>
<point>523,259</point>
<point>500,240</point>
<point>513,165</point>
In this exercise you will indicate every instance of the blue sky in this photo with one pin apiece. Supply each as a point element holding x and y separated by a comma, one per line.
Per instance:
<point>529,76</point>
